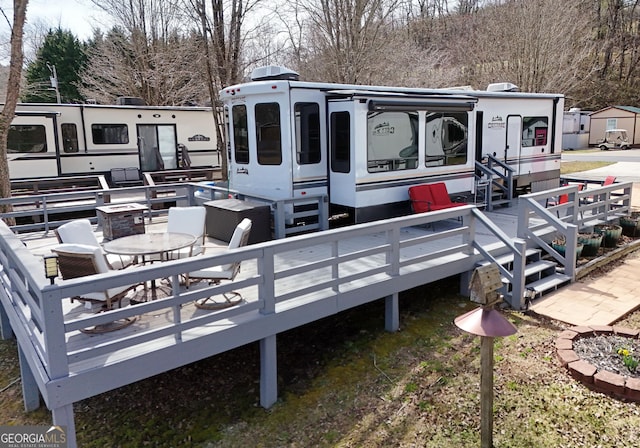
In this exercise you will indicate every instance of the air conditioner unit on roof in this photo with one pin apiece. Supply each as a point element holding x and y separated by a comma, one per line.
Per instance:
<point>274,72</point>
<point>502,87</point>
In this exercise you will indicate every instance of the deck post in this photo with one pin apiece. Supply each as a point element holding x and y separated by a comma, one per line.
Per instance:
<point>6,332</point>
<point>63,416</point>
<point>268,371</point>
<point>30,392</point>
<point>279,224</point>
<point>518,283</point>
<point>465,279</point>
<point>391,313</point>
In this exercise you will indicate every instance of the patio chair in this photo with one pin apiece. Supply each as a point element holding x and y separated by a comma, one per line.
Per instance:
<point>216,274</point>
<point>79,231</point>
<point>554,201</point>
<point>431,197</point>
<point>189,220</point>
<point>80,260</point>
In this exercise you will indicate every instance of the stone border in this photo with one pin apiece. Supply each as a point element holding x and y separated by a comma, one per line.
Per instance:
<point>602,381</point>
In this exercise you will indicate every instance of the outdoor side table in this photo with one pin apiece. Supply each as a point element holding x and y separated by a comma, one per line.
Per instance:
<point>224,215</point>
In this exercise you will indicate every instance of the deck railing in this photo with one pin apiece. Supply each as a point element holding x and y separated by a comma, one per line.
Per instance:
<point>500,178</point>
<point>45,212</point>
<point>286,283</point>
<point>274,281</point>
<point>582,210</point>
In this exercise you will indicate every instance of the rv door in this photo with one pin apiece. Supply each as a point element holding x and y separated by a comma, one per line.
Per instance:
<point>514,142</point>
<point>341,144</point>
<point>260,144</point>
<point>157,147</point>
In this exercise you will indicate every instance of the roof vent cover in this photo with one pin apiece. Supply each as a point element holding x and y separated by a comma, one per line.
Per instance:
<point>274,72</point>
<point>502,87</point>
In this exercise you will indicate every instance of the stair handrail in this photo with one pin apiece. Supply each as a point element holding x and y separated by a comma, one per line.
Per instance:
<point>501,180</point>
<point>530,206</point>
<point>517,247</point>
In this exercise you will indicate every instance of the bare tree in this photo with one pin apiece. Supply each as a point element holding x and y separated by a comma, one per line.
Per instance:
<point>152,54</point>
<point>346,37</point>
<point>168,74</point>
<point>540,45</point>
<point>222,38</point>
<point>13,92</point>
<point>618,34</point>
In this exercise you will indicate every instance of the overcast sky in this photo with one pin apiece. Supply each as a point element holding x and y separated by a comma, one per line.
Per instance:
<point>78,16</point>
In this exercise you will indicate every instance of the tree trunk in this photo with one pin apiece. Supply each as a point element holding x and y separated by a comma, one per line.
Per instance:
<point>13,92</point>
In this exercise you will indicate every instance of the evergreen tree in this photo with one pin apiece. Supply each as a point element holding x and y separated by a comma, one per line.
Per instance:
<point>64,52</point>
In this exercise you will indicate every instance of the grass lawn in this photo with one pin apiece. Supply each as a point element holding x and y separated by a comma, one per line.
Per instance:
<point>345,382</point>
<point>577,166</point>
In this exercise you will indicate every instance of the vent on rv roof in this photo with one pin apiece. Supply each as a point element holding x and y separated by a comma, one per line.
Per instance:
<point>274,72</point>
<point>502,87</point>
<point>130,101</point>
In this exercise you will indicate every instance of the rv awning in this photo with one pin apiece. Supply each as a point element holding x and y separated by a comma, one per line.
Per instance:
<point>436,104</point>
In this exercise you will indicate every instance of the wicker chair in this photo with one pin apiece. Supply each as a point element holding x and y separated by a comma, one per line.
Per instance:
<point>79,231</point>
<point>80,260</point>
<point>216,274</point>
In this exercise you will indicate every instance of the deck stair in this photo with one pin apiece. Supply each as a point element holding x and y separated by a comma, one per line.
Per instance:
<point>541,275</point>
<point>484,188</point>
<point>494,183</point>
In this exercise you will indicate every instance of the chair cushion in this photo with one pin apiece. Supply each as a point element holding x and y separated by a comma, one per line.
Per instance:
<point>120,261</point>
<point>214,273</point>
<point>78,231</point>
<point>440,194</point>
<point>421,198</point>
<point>100,264</point>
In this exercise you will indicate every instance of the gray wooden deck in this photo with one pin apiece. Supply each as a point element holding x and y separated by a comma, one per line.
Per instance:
<point>285,284</point>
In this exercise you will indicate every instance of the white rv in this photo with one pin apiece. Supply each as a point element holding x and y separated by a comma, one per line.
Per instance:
<point>49,140</point>
<point>364,146</point>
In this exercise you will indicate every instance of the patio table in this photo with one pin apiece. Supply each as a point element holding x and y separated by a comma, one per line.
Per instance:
<point>146,244</point>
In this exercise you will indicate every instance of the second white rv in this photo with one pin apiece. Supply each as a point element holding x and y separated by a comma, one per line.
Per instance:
<point>50,140</point>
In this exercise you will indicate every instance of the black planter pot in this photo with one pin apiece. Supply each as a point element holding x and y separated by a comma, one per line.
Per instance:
<point>631,224</point>
<point>611,234</point>
<point>591,243</point>
<point>560,248</point>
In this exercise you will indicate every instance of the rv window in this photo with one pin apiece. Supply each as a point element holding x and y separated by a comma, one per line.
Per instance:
<point>268,139</point>
<point>307,133</point>
<point>26,138</point>
<point>392,141</point>
<point>446,138</point>
<point>109,134</point>
<point>240,134</point>
<point>69,137</point>
<point>340,142</point>
<point>534,131</point>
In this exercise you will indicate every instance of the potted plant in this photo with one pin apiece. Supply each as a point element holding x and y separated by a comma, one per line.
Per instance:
<point>611,234</point>
<point>590,243</point>
<point>630,224</point>
<point>559,243</point>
